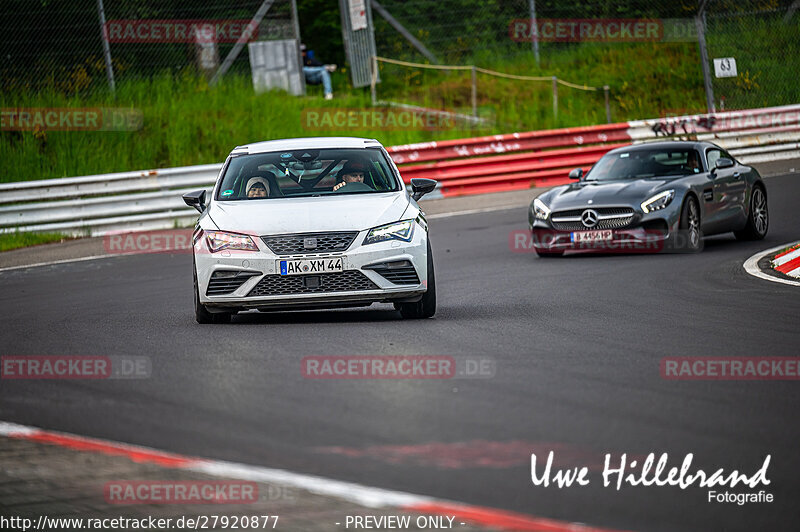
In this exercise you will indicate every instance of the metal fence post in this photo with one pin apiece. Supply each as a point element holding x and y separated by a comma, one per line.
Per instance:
<point>608,107</point>
<point>101,13</point>
<point>373,91</point>
<point>296,31</point>
<point>555,98</point>
<point>701,40</point>
<point>534,30</point>
<point>474,92</point>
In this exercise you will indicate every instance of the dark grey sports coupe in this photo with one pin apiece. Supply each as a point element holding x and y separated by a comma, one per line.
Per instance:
<point>652,196</point>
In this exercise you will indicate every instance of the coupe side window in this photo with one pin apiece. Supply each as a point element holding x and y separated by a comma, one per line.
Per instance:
<point>712,157</point>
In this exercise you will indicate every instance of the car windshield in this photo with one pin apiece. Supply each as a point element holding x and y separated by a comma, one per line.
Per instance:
<point>307,173</point>
<point>641,163</point>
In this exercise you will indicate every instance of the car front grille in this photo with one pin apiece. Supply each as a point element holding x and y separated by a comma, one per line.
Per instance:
<point>227,281</point>
<point>609,218</point>
<point>301,243</point>
<point>400,272</point>
<point>280,285</point>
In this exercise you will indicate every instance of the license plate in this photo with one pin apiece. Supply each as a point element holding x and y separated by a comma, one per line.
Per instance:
<point>580,237</point>
<point>309,266</point>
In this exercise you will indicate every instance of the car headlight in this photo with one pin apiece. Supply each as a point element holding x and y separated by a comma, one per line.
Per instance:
<point>402,230</point>
<point>540,210</point>
<point>659,201</point>
<point>219,240</point>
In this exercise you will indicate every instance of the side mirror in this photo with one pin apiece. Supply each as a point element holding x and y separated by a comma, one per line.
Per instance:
<point>196,199</point>
<point>577,173</point>
<point>421,186</point>
<point>723,162</point>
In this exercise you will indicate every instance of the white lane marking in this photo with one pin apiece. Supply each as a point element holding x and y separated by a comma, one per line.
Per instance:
<point>62,261</point>
<point>780,261</point>
<point>751,265</point>
<point>12,429</point>
<point>362,495</point>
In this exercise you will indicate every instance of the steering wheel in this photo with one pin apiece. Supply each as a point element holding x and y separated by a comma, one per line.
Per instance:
<point>354,187</point>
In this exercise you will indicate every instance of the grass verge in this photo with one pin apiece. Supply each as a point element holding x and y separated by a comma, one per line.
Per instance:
<point>9,241</point>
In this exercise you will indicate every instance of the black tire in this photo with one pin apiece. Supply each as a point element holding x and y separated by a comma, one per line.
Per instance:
<point>690,236</point>
<point>425,307</point>
<point>758,217</point>
<point>201,313</point>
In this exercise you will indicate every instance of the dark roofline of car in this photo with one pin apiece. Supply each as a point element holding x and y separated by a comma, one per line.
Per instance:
<point>697,144</point>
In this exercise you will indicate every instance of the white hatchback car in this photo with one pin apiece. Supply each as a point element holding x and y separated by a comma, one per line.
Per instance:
<point>311,223</point>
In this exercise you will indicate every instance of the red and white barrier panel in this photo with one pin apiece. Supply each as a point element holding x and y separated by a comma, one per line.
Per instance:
<point>513,142</point>
<point>788,262</point>
<point>543,158</point>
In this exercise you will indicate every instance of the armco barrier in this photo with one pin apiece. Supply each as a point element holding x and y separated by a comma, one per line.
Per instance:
<point>476,166</point>
<point>146,200</point>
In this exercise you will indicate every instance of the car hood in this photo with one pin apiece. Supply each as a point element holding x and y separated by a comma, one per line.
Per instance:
<point>354,212</point>
<point>611,193</point>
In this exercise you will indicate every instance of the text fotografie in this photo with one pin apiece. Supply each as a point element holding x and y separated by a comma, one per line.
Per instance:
<point>647,473</point>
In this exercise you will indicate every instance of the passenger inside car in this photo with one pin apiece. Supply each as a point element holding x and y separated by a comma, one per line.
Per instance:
<point>257,187</point>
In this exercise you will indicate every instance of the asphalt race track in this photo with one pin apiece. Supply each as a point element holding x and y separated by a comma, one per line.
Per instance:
<point>577,343</point>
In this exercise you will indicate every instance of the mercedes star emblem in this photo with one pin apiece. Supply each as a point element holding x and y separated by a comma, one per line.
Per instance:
<point>589,218</point>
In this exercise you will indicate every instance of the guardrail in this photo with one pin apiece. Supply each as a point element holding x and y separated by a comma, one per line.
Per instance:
<point>476,166</point>
<point>151,199</point>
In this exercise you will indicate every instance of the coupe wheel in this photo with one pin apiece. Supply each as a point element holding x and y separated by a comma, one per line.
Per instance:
<point>425,307</point>
<point>757,219</point>
<point>689,237</point>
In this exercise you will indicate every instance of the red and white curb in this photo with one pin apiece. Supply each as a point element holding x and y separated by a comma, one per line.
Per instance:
<point>788,262</point>
<point>783,262</point>
<point>355,493</point>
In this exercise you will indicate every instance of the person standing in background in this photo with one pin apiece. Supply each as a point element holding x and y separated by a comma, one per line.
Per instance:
<point>316,73</point>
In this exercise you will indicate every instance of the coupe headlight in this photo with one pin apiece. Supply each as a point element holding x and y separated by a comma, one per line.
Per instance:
<point>402,230</point>
<point>659,201</point>
<point>540,210</point>
<point>219,240</point>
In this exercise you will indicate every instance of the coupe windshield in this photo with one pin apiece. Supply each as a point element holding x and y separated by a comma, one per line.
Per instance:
<point>641,163</point>
<point>307,173</point>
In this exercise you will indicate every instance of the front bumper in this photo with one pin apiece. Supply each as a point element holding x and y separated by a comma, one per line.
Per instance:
<point>360,284</point>
<point>645,233</point>
<point>623,240</point>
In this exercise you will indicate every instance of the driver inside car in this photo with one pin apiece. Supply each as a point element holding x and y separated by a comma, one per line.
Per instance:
<point>351,177</point>
<point>693,162</point>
